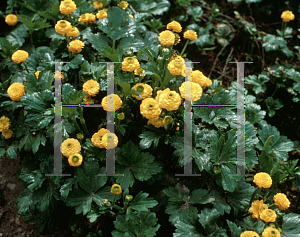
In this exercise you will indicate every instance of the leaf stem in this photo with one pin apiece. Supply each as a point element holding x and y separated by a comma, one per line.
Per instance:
<point>113,45</point>
<point>184,47</point>
<point>76,124</point>
<point>26,67</point>
<point>285,24</point>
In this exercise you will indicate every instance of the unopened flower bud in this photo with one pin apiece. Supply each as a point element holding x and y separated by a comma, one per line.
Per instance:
<point>168,119</point>
<point>106,202</point>
<point>159,58</point>
<point>166,51</point>
<point>128,198</point>
<point>80,136</point>
<point>121,116</point>
<point>217,170</point>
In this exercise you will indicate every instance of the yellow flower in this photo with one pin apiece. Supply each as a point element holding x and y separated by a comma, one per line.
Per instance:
<point>62,27</point>
<point>199,78</point>
<point>88,100</point>
<point>70,146</point>
<point>131,16</point>
<point>177,39</point>
<point>281,201</point>
<point>106,144</point>
<point>19,56</point>
<point>37,73</point>
<point>116,189</point>
<point>117,102</point>
<point>166,38</point>
<point>102,14</point>
<point>91,87</point>
<point>287,16</point>
<point>75,159</point>
<point>97,4</point>
<point>263,180</point>
<point>190,34</point>
<point>4,123</point>
<point>249,234</point>
<point>196,91</point>
<point>61,75</point>
<point>123,5</point>
<point>129,64</point>
<point>73,31</point>
<point>87,18</point>
<point>175,26</point>
<point>7,133</point>
<point>158,123</point>
<point>145,89</point>
<point>16,91</point>
<point>268,215</point>
<point>256,208</point>
<point>121,116</point>
<point>169,100</point>
<point>176,66</point>
<point>270,232</point>
<point>139,72</point>
<point>96,138</point>
<point>11,19</point>
<point>150,109</point>
<point>76,46</point>
<point>67,7</point>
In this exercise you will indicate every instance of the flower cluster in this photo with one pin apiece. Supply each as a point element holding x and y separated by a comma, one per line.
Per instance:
<point>76,46</point>
<point>129,64</point>
<point>67,7</point>
<point>88,18</point>
<point>123,5</point>
<point>19,56</point>
<point>169,100</point>
<point>99,139</point>
<point>62,27</point>
<point>144,89</point>
<point>97,4</point>
<point>117,102</point>
<point>101,14</point>
<point>91,87</point>
<point>4,127</point>
<point>196,91</point>
<point>71,148</point>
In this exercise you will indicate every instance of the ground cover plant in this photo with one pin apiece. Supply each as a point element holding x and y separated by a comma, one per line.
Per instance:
<point>152,45</point>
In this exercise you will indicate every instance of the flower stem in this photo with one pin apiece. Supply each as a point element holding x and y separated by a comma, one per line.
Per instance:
<point>82,121</point>
<point>76,124</point>
<point>72,22</point>
<point>132,74</point>
<point>114,205</point>
<point>26,67</point>
<point>258,192</point>
<point>184,47</point>
<point>113,45</point>
<point>285,24</point>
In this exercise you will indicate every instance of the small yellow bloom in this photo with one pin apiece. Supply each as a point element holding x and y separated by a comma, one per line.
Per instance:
<point>97,4</point>
<point>139,72</point>
<point>102,14</point>
<point>150,108</point>
<point>287,16</point>
<point>158,123</point>
<point>268,215</point>
<point>91,87</point>
<point>73,31</point>
<point>256,208</point>
<point>19,56</point>
<point>123,5</point>
<point>270,232</point>
<point>145,89</point>
<point>88,18</point>
<point>67,7</point>
<point>116,189</point>
<point>262,180</point>
<point>130,64</point>
<point>75,159</point>
<point>281,201</point>
<point>88,100</point>
<point>117,102</point>
<point>62,27</point>
<point>166,38</point>
<point>4,123</point>
<point>199,78</point>
<point>76,46</point>
<point>196,91</point>
<point>175,26</point>
<point>70,146</point>
<point>11,19</point>
<point>57,75</point>
<point>249,234</point>
<point>37,73</point>
<point>176,66</point>
<point>167,99</point>
<point>97,138</point>
<point>16,91</point>
<point>121,116</point>
<point>106,144</point>
<point>131,16</point>
<point>190,34</point>
<point>7,133</point>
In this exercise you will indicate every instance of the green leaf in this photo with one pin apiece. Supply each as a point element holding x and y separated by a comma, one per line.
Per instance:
<point>44,82</point>
<point>258,83</point>
<point>115,25</point>
<point>33,23</point>
<point>24,201</point>
<point>208,219</point>
<point>187,227</point>
<point>51,33</point>
<point>74,63</point>
<point>204,39</point>
<point>155,7</point>
<point>39,139</point>
<point>33,179</point>
<point>219,203</point>
<point>149,138</point>
<point>37,105</point>
<point>67,187</point>
<point>51,13</point>
<point>195,11</point>
<point>254,113</point>
<point>290,225</point>
<point>143,224</point>
<point>251,224</point>
<point>141,165</point>
<point>98,41</point>
<point>18,35</point>
<point>11,151</point>
<point>241,197</point>
<point>279,146</point>
<point>266,161</point>
<point>273,105</point>
<point>234,229</point>
<point>131,43</point>
<point>142,203</point>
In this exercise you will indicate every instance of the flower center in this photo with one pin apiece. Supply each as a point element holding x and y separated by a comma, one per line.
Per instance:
<point>129,60</point>
<point>273,232</point>
<point>170,95</point>
<point>69,145</point>
<point>150,106</point>
<point>140,88</point>
<point>75,158</point>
